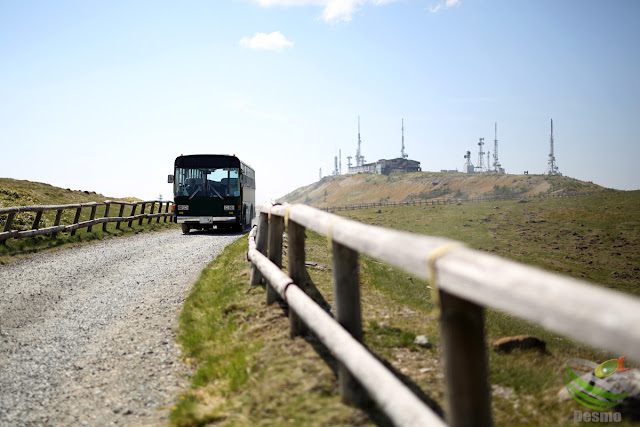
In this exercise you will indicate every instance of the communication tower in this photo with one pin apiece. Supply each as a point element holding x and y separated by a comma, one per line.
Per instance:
<point>497,167</point>
<point>349,161</point>
<point>359,156</point>
<point>335,165</point>
<point>480,167</point>
<point>404,155</point>
<point>553,168</point>
<point>468,166</point>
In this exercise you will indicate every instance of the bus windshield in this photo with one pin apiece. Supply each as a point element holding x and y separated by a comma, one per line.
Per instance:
<point>207,182</point>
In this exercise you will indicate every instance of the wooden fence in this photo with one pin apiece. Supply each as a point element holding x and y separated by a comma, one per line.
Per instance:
<point>8,233</point>
<point>467,280</point>
<point>450,201</point>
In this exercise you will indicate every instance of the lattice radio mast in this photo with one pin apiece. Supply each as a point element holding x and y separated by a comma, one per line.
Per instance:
<point>496,163</point>
<point>553,168</point>
<point>480,166</point>
<point>359,156</point>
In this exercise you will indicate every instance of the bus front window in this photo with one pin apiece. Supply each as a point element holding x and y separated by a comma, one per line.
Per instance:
<point>207,182</point>
<point>189,182</point>
<point>223,183</point>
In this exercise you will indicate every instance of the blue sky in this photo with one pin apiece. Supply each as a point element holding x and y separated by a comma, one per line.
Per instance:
<point>102,96</point>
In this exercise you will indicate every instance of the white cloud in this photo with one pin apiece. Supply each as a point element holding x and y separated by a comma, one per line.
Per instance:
<point>446,4</point>
<point>333,10</point>
<point>274,41</point>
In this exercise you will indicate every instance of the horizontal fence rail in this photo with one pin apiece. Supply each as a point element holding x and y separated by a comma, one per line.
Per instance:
<point>449,201</point>
<point>391,395</point>
<point>468,280</point>
<point>35,230</point>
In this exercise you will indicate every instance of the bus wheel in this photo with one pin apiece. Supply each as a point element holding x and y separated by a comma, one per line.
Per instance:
<point>185,228</point>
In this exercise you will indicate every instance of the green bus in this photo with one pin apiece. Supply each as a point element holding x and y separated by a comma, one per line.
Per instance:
<point>213,191</point>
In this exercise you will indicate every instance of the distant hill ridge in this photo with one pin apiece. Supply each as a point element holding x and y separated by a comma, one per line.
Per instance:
<point>366,188</point>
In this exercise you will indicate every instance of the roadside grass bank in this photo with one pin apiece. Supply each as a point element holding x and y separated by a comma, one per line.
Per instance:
<point>248,370</point>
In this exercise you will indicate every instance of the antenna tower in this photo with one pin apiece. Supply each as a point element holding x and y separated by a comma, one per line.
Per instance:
<point>468,167</point>
<point>553,168</point>
<point>496,163</point>
<point>340,162</point>
<point>335,165</point>
<point>359,156</point>
<point>404,155</point>
<point>349,161</point>
<point>480,166</point>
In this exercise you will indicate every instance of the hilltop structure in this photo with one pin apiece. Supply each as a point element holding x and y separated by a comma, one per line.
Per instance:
<point>384,166</point>
<point>387,166</point>
<point>481,168</point>
<point>553,168</point>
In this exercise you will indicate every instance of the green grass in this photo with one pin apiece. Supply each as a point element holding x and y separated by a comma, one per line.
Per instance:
<point>291,381</point>
<point>246,368</point>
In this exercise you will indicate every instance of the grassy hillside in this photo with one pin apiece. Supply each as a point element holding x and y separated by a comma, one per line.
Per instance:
<point>26,193</point>
<point>364,188</point>
<point>15,192</point>
<point>248,371</point>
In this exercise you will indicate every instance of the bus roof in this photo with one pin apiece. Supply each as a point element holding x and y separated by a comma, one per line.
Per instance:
<point>208,160</point>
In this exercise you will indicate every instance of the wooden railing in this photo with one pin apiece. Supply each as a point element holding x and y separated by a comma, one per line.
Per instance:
<point>10,212</point>
<point>449,201</point>
<point>467,280</point>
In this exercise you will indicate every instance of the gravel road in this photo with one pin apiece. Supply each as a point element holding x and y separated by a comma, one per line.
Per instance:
<point>87,334</point>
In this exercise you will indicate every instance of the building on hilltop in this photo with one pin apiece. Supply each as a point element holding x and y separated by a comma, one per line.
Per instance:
<point>383,166</point>
<point>387,166</point>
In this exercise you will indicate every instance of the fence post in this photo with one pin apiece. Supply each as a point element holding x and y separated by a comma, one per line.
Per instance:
<point>9,223</point>
<point>36,221</point>
<point>106,215</point>
<point>153,208</point>
<point>261,245</point>
<point>142,212</point>
<point>76,219</point>
<point>275,252</point>
<point>166,210</point>
<point>120,213</point>
<point>348,314</point>
<point>297,272</point>
<point>133,212</point>
<point>56,222</point>
<point>92,217</point>
<point>467,385</point>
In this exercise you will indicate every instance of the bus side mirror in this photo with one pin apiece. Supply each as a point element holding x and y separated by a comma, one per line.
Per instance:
<point>170,179</point>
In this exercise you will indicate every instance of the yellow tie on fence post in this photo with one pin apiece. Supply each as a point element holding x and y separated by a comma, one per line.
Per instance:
<point>431,262</point>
